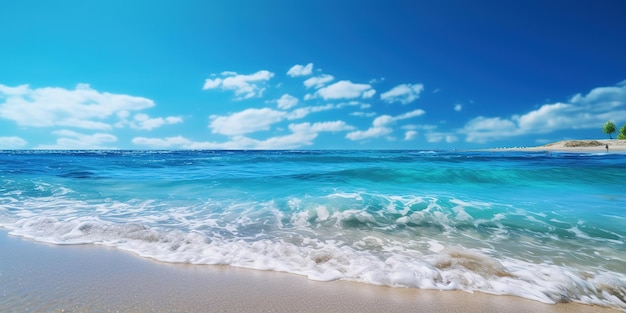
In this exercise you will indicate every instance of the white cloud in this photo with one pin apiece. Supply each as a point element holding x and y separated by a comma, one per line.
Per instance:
<point>82,107</point>
<point>410,135</point>
<point>482,129</point>
<point>301,135</point>
<point>122,114</point>
<point>12,142</point>
<point>334,126</point>
<point>73,140</point>
<point>405,93</point>
<point>247,121</point>
<point>411,114</point>
<point>346,89</point>
<point>580,112</point>
<point>426,127</point>
<point>458,107</point>
<point>143,121</point>
<point>368,93</point>
<point>173,119</point>
<point>361,105</point>
<point>376,80</point>
<point>158,143</point>
<point>602,98</point>
<point>372,132</point>
<point>383,120</point>
<point>363,114</point>
<point>380,125</point>
<point>302,112</point>
<point>318,81</point>
<point>434,137</point>
<point>300,70</point>
<point>253,120</point>
<point>20,90</point>
<point>548,116</point>
<point>244,86</point>
<point>180,142</point>
<point>287,101</point>
<point>212,83</point>
<point>451,138</point>
<point>85,124</point>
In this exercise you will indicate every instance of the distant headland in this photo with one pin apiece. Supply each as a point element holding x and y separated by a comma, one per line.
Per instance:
<point>584,145</point>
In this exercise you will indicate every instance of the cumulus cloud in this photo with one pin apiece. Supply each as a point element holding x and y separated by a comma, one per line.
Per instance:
<point>435,137</point>
<point>303,112</point>
<point>318,81</point>
<point>381,125</point>
<point>12,142</point>
<point>404,94</point>
<point>7,91</point>
<point>411,114</point>
<point>82,107</point>
<point>73,140</point>
<point>254,120</point>
<point>410,135</point>
<point>603,98</point>
<point>286,102</point>
<point>346,89</point>
<point>300,70</point>
<point>244,86</point>
<point>247,121</point>
<point>300,135</point>
<point>458,107</point>
<point>334,126</point>
<point>143,121</point>
<point>161,143</point>
<point>580,112</point>
<point>372,132</point>
<point>361,105</point>
<point>363,114</point>
<point>482,129</point>
<point>426,127</point>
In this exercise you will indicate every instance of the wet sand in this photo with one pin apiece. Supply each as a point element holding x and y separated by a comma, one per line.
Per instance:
<point>37,277</point>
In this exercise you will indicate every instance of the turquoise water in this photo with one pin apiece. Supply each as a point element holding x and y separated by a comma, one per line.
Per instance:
<point>548,227</point>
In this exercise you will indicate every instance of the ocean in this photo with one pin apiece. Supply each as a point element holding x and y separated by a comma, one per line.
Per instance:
<point>547,227</point>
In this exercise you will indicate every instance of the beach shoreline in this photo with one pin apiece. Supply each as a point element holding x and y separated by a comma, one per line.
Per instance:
<point>573,146</point>
<point>85,278</point>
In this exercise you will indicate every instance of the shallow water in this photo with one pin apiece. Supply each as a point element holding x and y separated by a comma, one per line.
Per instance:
<point>546,227</point>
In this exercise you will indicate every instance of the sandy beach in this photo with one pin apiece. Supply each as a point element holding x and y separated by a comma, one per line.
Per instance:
<point>575,146</point>
<point>38,277</point>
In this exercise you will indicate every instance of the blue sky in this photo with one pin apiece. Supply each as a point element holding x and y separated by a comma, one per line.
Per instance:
<point>308,74</point>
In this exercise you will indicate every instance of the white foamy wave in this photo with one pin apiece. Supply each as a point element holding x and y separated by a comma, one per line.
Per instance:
<point>440,266</point>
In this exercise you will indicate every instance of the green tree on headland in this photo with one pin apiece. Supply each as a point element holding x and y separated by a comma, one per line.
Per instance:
<point>609,128</point>
<point>622,132</point>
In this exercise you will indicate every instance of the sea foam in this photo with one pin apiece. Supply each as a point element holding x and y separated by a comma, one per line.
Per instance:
<point>439,268</point>
<point>530,226</point>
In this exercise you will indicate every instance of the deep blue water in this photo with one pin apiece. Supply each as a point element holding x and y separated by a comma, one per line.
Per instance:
<point>549,227</point>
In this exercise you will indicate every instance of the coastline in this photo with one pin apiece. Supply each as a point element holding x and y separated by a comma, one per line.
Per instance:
<point>86,278</point>
<point>573,146</point>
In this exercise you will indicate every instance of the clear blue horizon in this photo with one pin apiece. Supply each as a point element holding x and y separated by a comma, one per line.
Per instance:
<point>309,75</point>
